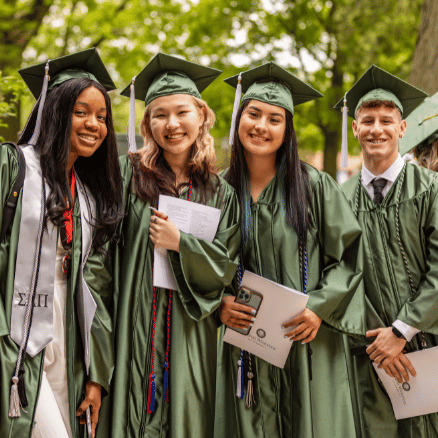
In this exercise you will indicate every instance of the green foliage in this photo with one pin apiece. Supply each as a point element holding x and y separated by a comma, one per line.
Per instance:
<point>328,43</point>
<point>14,89</point>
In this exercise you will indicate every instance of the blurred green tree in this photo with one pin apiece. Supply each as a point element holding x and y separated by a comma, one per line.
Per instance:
<point>328,43</point>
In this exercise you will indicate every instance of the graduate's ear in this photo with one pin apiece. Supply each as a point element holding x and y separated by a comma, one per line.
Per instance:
<point>354,126</point>
<point>202,115</point>
<point>403,126</point>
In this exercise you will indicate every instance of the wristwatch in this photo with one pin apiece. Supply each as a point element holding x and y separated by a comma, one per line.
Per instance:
<point>398,333</point>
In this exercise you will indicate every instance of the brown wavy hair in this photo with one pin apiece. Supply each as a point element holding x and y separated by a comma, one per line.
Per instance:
<point>428,156</point>
<point>153,175</point>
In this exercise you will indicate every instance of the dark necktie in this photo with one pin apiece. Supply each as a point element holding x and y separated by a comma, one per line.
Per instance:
<point>378,185</point>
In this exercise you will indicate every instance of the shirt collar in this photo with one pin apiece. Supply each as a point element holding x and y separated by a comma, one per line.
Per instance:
<point>389,174</point>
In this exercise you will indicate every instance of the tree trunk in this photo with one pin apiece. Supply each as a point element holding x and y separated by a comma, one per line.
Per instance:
<point>332,128</point>
<point>425,62</point>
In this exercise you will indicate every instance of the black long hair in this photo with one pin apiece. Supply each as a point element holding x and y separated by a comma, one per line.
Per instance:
<point>100,172</point>
<point>297,193</point>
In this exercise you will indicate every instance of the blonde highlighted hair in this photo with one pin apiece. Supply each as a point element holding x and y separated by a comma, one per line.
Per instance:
<point>428,156</point>
<point>152,174</point>
<point>202,148</point>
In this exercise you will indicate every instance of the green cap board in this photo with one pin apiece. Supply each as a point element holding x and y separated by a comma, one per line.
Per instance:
<point>273,84</point>
<point>378,84</point>
<point>166,75</point>
<point>77,65</point>
<point>422,127</point>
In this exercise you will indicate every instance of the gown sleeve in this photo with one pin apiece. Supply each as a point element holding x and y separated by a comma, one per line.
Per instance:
<point>99,278</point>
<point>8,174</point>
<point>420,311</point>
<point>339,297</point>
<point>202,269</point>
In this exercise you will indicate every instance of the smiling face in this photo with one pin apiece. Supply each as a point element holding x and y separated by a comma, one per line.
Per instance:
<point>378,130</point>
<point>175,123</point>
<point>262,128</point>
<point>88,124</point>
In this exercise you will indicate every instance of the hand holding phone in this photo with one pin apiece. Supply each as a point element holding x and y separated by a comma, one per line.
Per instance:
<point>250,298</point>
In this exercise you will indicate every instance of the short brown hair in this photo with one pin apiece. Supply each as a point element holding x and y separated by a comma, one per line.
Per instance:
<point>378,104</point>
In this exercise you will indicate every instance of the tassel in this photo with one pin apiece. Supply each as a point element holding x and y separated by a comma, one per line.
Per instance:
<point>166,382</point>
<point>14,401</point>
<point>344,147</point>
<point>131,124</point>
<point>235,108</point>
<point>151,395</point>
<point>37,129</point>
<point>240,390</point>
<point>250,391</point>
<point>22,387</point>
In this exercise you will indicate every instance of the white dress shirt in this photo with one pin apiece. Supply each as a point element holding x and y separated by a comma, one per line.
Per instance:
<point>390,175</point>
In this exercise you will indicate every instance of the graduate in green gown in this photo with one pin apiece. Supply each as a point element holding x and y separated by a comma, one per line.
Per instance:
<point>165,341</point>
<point>395,203</point>
<point>421,139</point>
<point>299,231</point>
<point>54,251</point>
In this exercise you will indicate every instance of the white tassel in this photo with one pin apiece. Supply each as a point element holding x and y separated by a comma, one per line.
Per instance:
<point>14,401</point>
<point>240,384</point>
<point>250,391</point>
<point>131,126</point>
<point>37,129</point>
<point>344,147</point>
<point>237,98</point>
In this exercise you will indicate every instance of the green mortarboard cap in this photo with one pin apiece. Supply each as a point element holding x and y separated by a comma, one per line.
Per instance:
<point>166,75</point>
<point>422,126</point>
<point>272,84</point>
<point>377,84</point>
<point>81,64</point>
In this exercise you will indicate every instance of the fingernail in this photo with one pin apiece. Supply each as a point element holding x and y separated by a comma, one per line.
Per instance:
<point>251,325</point>
<point>253,312</point>
<point>286,337</point>
<point>253,319</point>
<point>283,327</point>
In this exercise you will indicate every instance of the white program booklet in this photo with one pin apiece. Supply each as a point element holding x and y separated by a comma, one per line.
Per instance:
<point>199,220</point>
<point>266,339</point>
<point>419,396</point>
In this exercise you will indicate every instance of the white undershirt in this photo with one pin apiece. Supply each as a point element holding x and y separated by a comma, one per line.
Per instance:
<point>390,175</point>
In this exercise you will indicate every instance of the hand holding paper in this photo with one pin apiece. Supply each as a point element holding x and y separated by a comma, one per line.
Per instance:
<point>386,347</point>
<point>163,232</point>
<point>399,368</point>
<point>93,400</point>
<point>420,395</point>
<point>201,221</point>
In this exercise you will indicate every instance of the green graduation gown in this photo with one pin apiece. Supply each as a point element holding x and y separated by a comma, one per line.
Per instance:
<point>96,274</point>
<point>202,270</point>
<point>308,398</point>
<point>387,288</point>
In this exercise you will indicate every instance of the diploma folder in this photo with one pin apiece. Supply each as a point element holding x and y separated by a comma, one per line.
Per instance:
<point>266,339</point>
<point>419,396</point>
